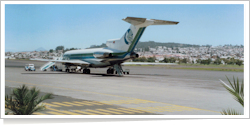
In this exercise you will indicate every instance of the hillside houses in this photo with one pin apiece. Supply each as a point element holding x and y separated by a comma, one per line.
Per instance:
<point>194,53</point>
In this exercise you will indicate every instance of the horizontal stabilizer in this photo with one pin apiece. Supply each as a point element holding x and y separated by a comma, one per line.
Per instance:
<point>140,21</point>
<point>163,22</point>
<point>135,20</point>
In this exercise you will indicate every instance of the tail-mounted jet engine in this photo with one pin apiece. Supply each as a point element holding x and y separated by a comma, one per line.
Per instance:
<point>102,55</point>
<point>134,55</point>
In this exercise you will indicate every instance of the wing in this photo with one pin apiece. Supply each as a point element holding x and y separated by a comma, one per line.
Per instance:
<point>76,62</point>
<point>68,62</point>
<point>41,59</point>
<point>147,63</point>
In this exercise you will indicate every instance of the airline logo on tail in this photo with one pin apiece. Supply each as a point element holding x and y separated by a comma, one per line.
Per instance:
<point>128,37</point>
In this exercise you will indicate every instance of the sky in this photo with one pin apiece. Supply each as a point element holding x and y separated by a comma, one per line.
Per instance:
<point>31,26</point>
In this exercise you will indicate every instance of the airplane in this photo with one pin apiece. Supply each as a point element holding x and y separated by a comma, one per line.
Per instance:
<point>112,56</point>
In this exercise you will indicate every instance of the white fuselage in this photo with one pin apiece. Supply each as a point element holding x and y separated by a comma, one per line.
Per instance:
<point>88,55</point>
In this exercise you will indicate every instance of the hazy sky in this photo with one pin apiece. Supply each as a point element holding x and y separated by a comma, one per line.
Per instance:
<point>28,27</point>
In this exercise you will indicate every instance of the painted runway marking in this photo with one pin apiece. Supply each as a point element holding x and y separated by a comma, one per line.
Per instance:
<point>61,104</point>
<point>51,105</point>
<point>84,113</point>
<point>55,113</point>
<point>166,108</point>
<point>112,112</point>
<point>119,110</point>
<point>74,104</point>
<point>170,108</point>
<point>131,110</point>
<point>133,101</point>
<point>89,103</point>
<point>107,111</point>
<point>98,112</point>
<point>38,113</point>
<point>129,100</point>
<point>63,111</point>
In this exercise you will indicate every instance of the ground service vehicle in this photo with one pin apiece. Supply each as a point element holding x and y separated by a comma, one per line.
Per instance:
<point>29,67</point>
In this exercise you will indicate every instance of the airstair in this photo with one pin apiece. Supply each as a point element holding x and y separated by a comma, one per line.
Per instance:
<point>47,65</point>
<point>119,70</point>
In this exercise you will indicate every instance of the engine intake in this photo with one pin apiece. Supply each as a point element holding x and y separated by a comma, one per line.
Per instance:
<point>101,55</point>
<point>134,55</point>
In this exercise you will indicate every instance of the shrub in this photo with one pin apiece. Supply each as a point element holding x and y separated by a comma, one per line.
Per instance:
<point>24,101</point>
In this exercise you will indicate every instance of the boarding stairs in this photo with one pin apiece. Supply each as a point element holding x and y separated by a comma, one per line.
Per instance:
<point>119,70</point>
<point>47,65</point>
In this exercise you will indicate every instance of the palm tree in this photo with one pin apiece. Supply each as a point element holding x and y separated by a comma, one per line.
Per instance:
<point>237,90</point>
<point>24,101</point>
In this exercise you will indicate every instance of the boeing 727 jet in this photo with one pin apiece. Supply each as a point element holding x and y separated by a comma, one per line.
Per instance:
<point>112,56</point>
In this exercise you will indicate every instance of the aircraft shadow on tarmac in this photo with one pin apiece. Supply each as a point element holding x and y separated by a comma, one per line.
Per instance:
<point>44,73</point>
<point>57,73</point>
<point>115,75</point>
<point>99,74</point>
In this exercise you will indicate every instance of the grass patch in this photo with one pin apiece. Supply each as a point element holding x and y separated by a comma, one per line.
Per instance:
<point>226,68</point>
<point>213,65</point>
<point>210,69</point>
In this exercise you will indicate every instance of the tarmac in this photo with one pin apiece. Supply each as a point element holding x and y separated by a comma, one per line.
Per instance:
<point>147,90</point>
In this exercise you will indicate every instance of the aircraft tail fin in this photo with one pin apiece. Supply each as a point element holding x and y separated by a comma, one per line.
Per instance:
<point>131,37</point>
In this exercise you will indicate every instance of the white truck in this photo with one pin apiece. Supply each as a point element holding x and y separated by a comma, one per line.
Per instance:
<point>29,67</point>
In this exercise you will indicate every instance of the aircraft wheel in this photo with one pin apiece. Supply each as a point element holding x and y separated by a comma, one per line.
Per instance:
<point>112,71</point>
<point>127,72</point>
<point>67,70</point>
<point>88,71</point>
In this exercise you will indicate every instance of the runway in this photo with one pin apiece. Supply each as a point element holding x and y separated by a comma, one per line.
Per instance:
<point>148,90</point>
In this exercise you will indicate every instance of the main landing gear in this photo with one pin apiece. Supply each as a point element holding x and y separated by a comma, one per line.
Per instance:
<point>86,71</point>
<point>68,70</point>
<point>118,70</point>
<point>110,71</point>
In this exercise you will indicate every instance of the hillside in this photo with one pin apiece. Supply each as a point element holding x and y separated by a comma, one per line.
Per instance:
<point>152,44</point>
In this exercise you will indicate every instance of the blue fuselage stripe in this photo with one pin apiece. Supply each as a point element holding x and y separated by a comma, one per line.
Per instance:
<point>138,39</point>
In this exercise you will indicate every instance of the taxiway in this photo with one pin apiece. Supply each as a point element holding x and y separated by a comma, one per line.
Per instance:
<point>153,90</point>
